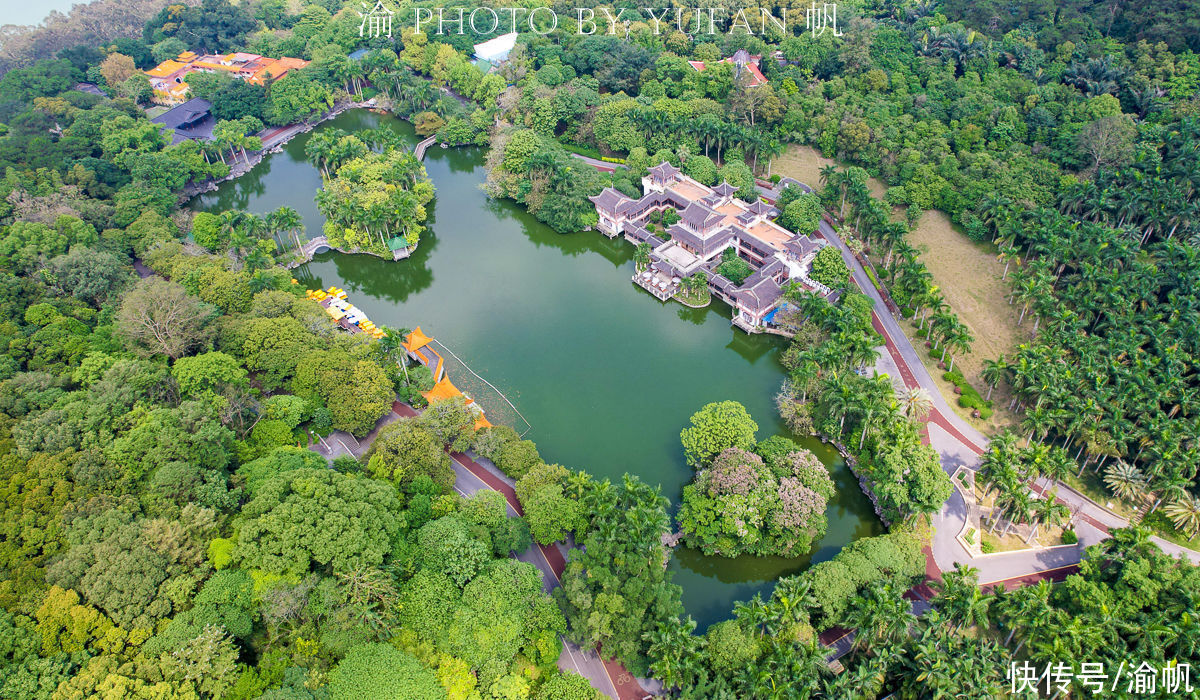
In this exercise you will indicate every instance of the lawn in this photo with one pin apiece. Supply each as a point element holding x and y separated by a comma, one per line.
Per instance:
<point>804,163</point>
<point>1161,525</point>
<point>968,275</point>
<point>1092,486</point>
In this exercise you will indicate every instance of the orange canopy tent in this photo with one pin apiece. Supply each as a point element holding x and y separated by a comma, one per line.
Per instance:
<point>416,340</point>
<point>444,389</point>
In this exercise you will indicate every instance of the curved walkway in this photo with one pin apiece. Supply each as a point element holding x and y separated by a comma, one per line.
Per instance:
<point>607,676</point>
<point>960,444</point>
<point>420,148</point>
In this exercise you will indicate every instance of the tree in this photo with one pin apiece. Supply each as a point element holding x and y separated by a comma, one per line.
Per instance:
<point>551,514</point>
<point>205,374</point>
<point>304,518</point>
<point>448,547</point>
<point>207,662</point>
<point>90,275</point>
<point>452,421</point>
<point>406,449</point>
<point>802,214</point>
<point>829,268</point>
<point>715,428</point>
<point>116,69</point>
<point>1108,141</point>
<point>382,671</point>
<point>160,317</point>
<point>567,685</point>
<point>357,392</point>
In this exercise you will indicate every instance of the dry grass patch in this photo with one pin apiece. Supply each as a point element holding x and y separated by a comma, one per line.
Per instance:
<point>968,275</point>
<point>805,162</point>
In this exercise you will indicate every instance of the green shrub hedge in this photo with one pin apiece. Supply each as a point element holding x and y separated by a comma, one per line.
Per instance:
<point>969,398</point>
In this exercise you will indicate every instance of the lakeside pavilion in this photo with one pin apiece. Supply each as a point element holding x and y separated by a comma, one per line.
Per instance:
<point>711,221</point>
<point>419,347</point>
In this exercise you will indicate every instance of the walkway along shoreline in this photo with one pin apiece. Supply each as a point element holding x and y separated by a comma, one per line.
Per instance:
<point>621,681</point>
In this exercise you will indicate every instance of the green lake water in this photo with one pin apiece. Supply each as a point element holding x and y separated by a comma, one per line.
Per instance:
<point>606,374</point>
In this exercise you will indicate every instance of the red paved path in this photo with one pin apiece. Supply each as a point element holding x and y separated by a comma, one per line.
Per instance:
<point>625,683</point>
<point>935,416</point>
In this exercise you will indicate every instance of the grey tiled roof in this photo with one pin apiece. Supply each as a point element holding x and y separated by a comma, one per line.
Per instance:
<point>654,241</point>
<point>663,171</point>
<point>761,208</point>
<point>609,199</point>
<point>638,233</point>
<point>759,297</point>
<point>698,216</point>
<point>191,120</point>
<point>685,236</point>
<point>801,246</point>
<point>725,189</point>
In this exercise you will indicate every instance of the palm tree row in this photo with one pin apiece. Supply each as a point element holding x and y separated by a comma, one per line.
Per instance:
<point>715,134</point>
<point>911,284</point>
<point>251,240</point>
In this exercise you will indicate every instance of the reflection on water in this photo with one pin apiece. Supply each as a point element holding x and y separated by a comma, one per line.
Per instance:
<point>606,374</point>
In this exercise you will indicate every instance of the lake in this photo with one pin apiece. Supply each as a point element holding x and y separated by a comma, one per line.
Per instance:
<point>605,374</point>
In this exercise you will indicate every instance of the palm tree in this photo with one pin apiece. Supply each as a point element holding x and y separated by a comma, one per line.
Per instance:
<point>641,256</point>
<point>392,346</point>
<point>1184,512</point>
<point>960,340</point>
<point>840,398</point>
<point>1056,465</point>
<point>287,219</point>
<point>675,652</point>
<point>880,615</point>
<point>916,402</point>
<point>1125,480</point>
<point>994,372</point>
<point>1048,511</point>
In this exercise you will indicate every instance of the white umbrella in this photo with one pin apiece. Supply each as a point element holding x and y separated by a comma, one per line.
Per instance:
<point>675,280</point>
<point>645,275</point>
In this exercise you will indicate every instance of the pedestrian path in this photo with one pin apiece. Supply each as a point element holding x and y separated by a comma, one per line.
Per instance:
<point>960,444</point>
<point>475,473</point>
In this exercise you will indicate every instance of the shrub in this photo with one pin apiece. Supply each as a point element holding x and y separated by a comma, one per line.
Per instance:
<point>516,458</point>
<point>735,269</point>
<point>970,398</point>
<point>829,268</point>
<point>987,547</point>
<point>1069,537</point>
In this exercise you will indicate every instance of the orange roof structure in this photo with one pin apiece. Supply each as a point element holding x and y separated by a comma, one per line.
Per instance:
<point>165,68</point>
<point>273,69</point>
<point>416,340</point>
<point>482,423</point>
<point>444,389</point>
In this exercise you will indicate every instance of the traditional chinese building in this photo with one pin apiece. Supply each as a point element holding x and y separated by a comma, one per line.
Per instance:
<point>711,221</point>
<point>745,67</point>
<point>169,77</point>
